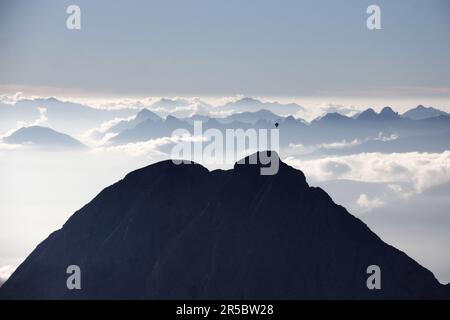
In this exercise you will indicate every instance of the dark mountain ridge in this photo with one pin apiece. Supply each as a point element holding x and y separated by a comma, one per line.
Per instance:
<point>182,232</point>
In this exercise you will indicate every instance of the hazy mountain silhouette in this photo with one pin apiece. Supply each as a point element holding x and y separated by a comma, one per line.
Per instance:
<point>169,104</point>
<point>180,231</point>
<point>330,128</point>
<point>422,143</point>
<point>197,117</point>
<point>248,104</point>
<point>368,114</point>
<point>332,118</point>
<point>421,112</point>
<point>179,107</point>
<point>151,129</point>
<point>73,118</point>
<point>141,116</point>
<point>43,137</point>
<point>386,114</point>
<point>252,117</point>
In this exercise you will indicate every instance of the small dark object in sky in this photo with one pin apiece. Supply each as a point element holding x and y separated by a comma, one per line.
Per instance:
<point>276,124</point>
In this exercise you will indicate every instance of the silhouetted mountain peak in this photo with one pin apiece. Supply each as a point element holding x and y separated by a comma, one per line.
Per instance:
<point>43,136</point>
<point>332,117</point>
<point>421,112</point>
<point>387,110</point>
<point>265,112</point>
<point>173,120</point>
<point>248,100</point>
<point>252,165</point>
<point>367,114</point>
<point>388,113</point>
<point>212,122</point>
<point>169,169</point>
<point>182,232</point>
<point>290,119</point>
<point>258,159</point>
<point>385,114</point>
<point>52,99</point>
<point>145,114</point>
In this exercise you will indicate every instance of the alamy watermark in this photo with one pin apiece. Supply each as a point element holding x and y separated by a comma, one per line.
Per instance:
<point>73,21</point>
<point>73,282</point>
<point>216,146</point>
<point>373,22</point>
<point>374,280</point>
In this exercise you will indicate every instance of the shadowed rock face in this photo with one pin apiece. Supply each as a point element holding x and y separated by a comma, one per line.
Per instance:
<point>180,231</point>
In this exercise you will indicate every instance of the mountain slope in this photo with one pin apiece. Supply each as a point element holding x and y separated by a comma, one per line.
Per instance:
<point>248,104</point>
<point>72,118</point>
<point>252,117</point>
<point>386,114</point>
<point>420,112</point>
<point>140,117</point>
<point>44,137</point>
<point>180,231</point>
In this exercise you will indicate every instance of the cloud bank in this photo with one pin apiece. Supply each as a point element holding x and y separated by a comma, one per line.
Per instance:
<point>5,273</point>
<point>422,170</point>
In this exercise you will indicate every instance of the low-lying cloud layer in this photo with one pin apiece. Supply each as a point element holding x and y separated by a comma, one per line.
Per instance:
<point>367,184</point>
<point>5,273</point>
<point>422,170</point>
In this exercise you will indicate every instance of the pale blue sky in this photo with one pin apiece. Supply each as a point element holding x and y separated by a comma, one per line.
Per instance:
<point>212,47</point>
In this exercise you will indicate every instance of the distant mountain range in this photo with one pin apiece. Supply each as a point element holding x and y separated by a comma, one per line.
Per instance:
<point>141,116</point>
<point>421,112</point>
<point>73,118</point>
<point>42,137</point>
<point>248,104</point>
<point>182,232</point>
<point>415,125</point>
<point>251,117</point>
<point>386,114</point>
<point>332,127</point>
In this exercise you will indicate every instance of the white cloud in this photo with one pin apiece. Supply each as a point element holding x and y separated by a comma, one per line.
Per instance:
<point>367,203</point>
<point>5,273</point>
<point>8,146</point>
<point>11,98</point>
<point>42,119</point>
<point>298,149</point>
<point>341,145</point>
<point>97,136</point>
<point>400,190</point>
<point>421,170</point>
<point>136,149</point>
<point>382,137</point>
<point>146,148</point>
<point>337,168</point>
<point>311,112</point>
<point>187,106</point>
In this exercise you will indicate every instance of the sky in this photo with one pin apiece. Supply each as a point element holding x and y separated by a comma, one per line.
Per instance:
<point>217,48</point>
<point>316,53</point>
